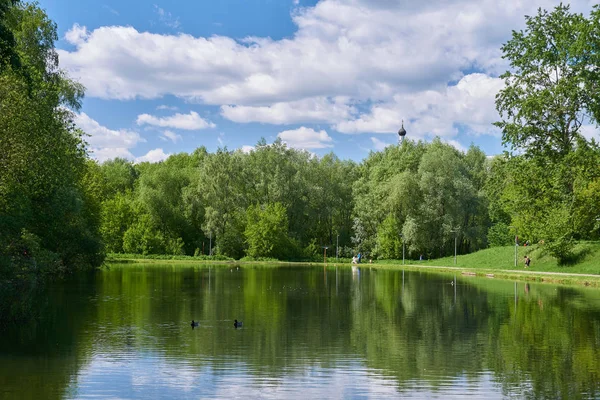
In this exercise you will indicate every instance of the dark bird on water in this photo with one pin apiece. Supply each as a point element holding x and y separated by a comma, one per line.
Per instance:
<point>194,324</point>
<point>237,324</point>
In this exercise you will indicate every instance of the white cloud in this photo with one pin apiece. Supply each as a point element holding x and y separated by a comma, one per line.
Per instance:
<point>77,35</point>
<point>153,156</point>
<point>107,143</point>
<point>388,53</point>
<point>191,121</point>
<point>306,138</point>
<point>311,110</point>
<point>379,144</point>
<point>469,103</point>
<point>341,48</point>
<point>247,149</point>
<point>166,18</point>
<point>170,135</point>
<point>109,153</point>
<point>166,107</point>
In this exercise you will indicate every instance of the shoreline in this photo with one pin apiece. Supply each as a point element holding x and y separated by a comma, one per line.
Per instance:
<point>562,278</point>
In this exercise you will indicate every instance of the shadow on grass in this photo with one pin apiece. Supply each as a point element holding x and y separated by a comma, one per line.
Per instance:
<point>575,257</point>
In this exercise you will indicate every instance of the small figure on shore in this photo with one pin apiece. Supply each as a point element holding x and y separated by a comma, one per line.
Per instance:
<point>359,257</point>
<point>527,261</point>
<point>237,324</point>
<point>194,324</point>
<point>370,261</point>
<point>421,257</point>
<point>354,261</point>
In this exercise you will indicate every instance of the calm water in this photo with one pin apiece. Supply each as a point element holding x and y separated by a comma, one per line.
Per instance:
<point>308,332</point>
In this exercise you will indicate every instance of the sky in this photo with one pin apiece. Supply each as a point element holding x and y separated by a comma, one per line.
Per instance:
<point>325,76</point>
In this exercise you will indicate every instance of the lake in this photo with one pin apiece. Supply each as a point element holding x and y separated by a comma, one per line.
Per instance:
<point>308,332</point>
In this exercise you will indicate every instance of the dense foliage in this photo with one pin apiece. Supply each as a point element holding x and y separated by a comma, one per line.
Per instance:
<point>284,203</point>
<point>49,217</point>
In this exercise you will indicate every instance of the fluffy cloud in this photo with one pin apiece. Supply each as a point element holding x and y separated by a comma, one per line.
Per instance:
<point>153,156</point>
<point>306,138</point>
<point>312,110</point>
<point>170,135</point>
<point>191,121</point>
<point>469,103</point>
<point>109,153</point>
<point>358,48</point>
<point>403,57</point>
<point>107,143</point>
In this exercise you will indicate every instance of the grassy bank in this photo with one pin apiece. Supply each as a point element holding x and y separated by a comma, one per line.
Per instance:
<point>586,259</point>
<point>497,262</point>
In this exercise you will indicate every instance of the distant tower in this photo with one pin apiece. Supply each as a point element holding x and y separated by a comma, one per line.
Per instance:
<point>401,133</point>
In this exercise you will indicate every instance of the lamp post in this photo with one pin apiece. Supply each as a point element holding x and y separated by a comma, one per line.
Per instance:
<point>516,243</point>
<point>325,254</point>
<point>403,247</point>
<point>455,231</point>
<point>210,245</point>
<point>337,247</point>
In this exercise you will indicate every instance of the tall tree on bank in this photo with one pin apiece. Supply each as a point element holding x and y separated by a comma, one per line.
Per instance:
<point>48,218</point>
<point>551,93</point>
<point>553,87</point>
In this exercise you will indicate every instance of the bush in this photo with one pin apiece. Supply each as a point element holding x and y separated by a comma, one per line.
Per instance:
<point>561,249</point>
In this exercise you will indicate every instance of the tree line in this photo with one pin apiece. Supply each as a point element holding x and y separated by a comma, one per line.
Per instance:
<point>60,210</point>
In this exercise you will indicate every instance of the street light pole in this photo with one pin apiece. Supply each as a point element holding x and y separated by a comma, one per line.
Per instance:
<point>516,243</point>
<point>403,248</point>
<point>454,248</point>
<point>455,230</point>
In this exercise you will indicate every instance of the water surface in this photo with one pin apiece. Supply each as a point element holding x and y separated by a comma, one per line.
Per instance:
<point>309,332</point>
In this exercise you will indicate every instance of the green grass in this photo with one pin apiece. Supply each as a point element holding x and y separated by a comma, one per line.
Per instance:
<point>585,261</point>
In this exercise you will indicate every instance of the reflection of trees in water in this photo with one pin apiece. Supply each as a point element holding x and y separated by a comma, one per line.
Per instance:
<point>421,328</point>
<point>546,340</point>
<point>41,357</point>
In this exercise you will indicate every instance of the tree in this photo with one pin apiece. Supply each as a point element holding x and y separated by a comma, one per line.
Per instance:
<point>42,155</point>
<point>550,94</point>
<point>266,231</point>
<point>553,87</point>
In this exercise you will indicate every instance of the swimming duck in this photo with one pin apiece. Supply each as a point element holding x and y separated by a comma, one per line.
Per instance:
<point>237,324</point>
<point>194,324</point>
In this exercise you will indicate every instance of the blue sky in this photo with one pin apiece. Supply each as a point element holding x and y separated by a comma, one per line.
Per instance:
<point>328,75</point>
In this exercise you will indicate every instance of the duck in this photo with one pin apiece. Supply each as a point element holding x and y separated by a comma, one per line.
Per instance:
<point>194,324</point>
<point>237,324</point>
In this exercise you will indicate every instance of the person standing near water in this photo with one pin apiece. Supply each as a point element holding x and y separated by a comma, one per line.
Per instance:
<point>527,261</point>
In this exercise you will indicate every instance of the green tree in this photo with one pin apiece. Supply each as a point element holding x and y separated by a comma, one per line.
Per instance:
<point>552,88</point>
<point>550,93</point>
<point>267,231</point>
